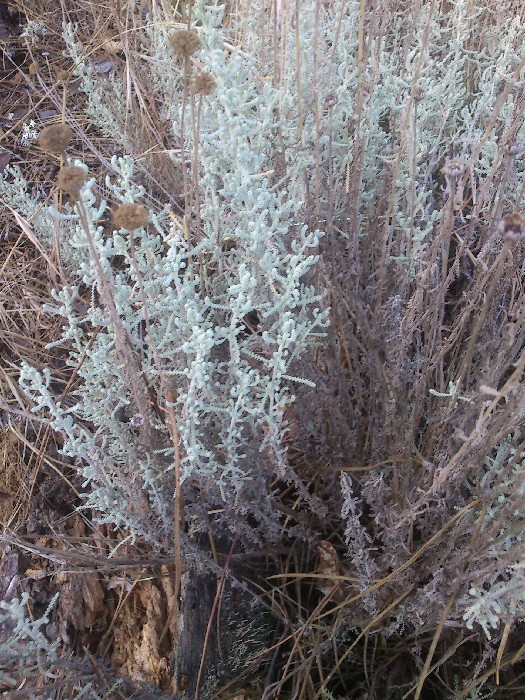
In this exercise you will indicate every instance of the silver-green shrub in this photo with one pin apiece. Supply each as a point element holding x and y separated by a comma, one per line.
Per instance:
<point>233,383</point>
<point>24,648</point>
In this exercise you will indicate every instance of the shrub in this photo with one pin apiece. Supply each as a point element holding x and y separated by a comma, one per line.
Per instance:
<point>361,166</point>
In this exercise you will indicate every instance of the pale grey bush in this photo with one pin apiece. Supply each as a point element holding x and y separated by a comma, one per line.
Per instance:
<point>233,386</point>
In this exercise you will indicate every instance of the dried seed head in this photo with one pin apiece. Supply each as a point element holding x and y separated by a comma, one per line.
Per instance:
<point>228,244</point>
<point>55,138</point>
<point>130,216</point>
<point>203,83</point>
<point>185,42</point>
<point>514,149</point>
<point>453,168</point>
<point>331,100</point>
<point>71,178</point>
<point>512,227</point>
<point>137,420</point>
<point>33,68</point>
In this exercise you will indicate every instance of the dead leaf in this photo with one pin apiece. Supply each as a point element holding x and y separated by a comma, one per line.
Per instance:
<point>44,114</point>
<point>120,582</point>
<point>113,47</point>
<point>93,596</point>
<point>103,67</point>
<point>36,574</point>
<point>330,567</point>
<point>5,158</point>
<point>76,526</point>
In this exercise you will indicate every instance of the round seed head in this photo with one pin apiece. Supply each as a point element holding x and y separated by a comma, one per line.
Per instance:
<point>71,178</point>
<point>204,83</point>
<point>512,227</point>
<point>130,216</point>
<point>331,100</point>
<point>453,168</point>
<point>55,138</point>
<point>137,420</point>
<point>514,149</point>
<point>185,42</point>
<point>228,244</point>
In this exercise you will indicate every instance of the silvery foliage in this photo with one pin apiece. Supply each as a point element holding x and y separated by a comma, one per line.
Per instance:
<point>16,192</point>
<point>106,97</point>
<point>476,693</point>
<point>232,385</point>
<point>28,658</point>
<point>360,545</point>
<point>500,598</point>
<point>24,647</point>
<point>442,121</point>
<point>445,121</point>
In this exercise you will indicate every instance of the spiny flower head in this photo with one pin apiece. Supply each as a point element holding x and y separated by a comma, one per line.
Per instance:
<point>453,168</point>
<point>130,216</point>
<point>203,83</point>
<point>55,138</point>
<point>71,178</point>
<point>185,42</point>
<point>512,227</point>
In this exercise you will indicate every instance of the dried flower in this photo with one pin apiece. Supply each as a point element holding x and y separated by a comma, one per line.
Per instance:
<point>130,216</point>
<point>204,83</point>
<point>33,68</point>
<point>71,178</point>
<point>515,149</point>
<point>331,100</point>
<point>55,138</point>
<point>512,227</point>
<point>185,42</point>
<point>137,420</point>
<point>228,244</point>
<point>453,168</point>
